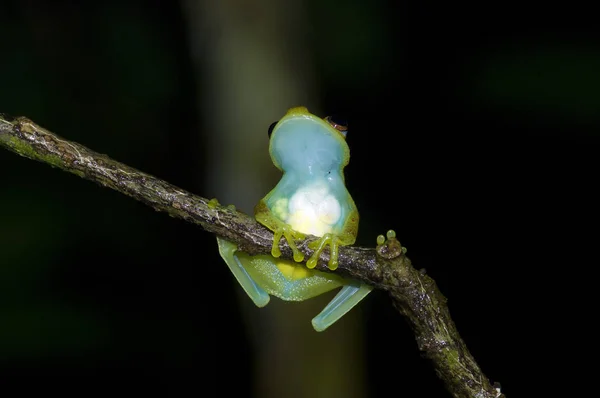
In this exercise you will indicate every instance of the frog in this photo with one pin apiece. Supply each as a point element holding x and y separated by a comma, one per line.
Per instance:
<point>311,198</point>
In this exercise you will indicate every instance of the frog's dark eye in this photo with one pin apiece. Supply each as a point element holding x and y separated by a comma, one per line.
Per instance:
<point>271,127</point>
<point>339,123</point>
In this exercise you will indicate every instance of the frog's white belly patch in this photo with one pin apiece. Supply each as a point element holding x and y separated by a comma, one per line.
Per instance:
<point>313,210</point>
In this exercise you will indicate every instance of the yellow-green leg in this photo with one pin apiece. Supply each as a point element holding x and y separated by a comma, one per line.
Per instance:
<point>344,301</point>
<point>255,292</point>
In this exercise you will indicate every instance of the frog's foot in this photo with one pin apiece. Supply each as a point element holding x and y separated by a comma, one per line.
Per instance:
<point>290,235</point>
<point>343,302</point>
<point>388,246</point>
<point>318,246</point>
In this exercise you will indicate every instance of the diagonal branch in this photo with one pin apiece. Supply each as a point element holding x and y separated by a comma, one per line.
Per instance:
<point>413,293</point>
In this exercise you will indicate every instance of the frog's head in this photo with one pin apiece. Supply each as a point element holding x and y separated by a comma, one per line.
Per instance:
<point>303,142</point>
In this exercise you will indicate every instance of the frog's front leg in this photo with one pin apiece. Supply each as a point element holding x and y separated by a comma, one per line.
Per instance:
<point>318,245</point>
<point>264,216</point>
<point>346,237</point>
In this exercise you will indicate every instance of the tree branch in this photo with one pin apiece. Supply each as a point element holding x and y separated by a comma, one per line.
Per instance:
<point>414,294</point>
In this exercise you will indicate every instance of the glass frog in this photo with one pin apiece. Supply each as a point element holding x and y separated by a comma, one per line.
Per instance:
<point>311,198</point>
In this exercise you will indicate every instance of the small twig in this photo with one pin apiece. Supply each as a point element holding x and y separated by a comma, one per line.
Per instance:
<point>413,293</point>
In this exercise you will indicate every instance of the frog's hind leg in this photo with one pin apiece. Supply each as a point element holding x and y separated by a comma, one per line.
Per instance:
<point>255,292</point>
<point>348,297</point>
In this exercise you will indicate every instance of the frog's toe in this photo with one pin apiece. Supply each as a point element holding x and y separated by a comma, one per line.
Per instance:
<point>333,254</point>
<point>275,252</point>
<point>298,256</point>
<point>312,261</point>
<point>317,246</point>
<point>333,263</point>
<point>290,236</point>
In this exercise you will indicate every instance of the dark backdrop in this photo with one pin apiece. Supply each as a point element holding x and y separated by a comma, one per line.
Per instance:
<point>486,117</point>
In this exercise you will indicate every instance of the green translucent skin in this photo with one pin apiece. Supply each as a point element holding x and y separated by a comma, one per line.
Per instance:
<point>311,198</point>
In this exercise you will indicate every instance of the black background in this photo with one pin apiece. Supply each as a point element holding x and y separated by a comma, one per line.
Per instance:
<point>474,134</point>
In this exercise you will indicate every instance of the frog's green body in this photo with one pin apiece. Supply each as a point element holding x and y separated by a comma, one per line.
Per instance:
<point>311,198</point>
